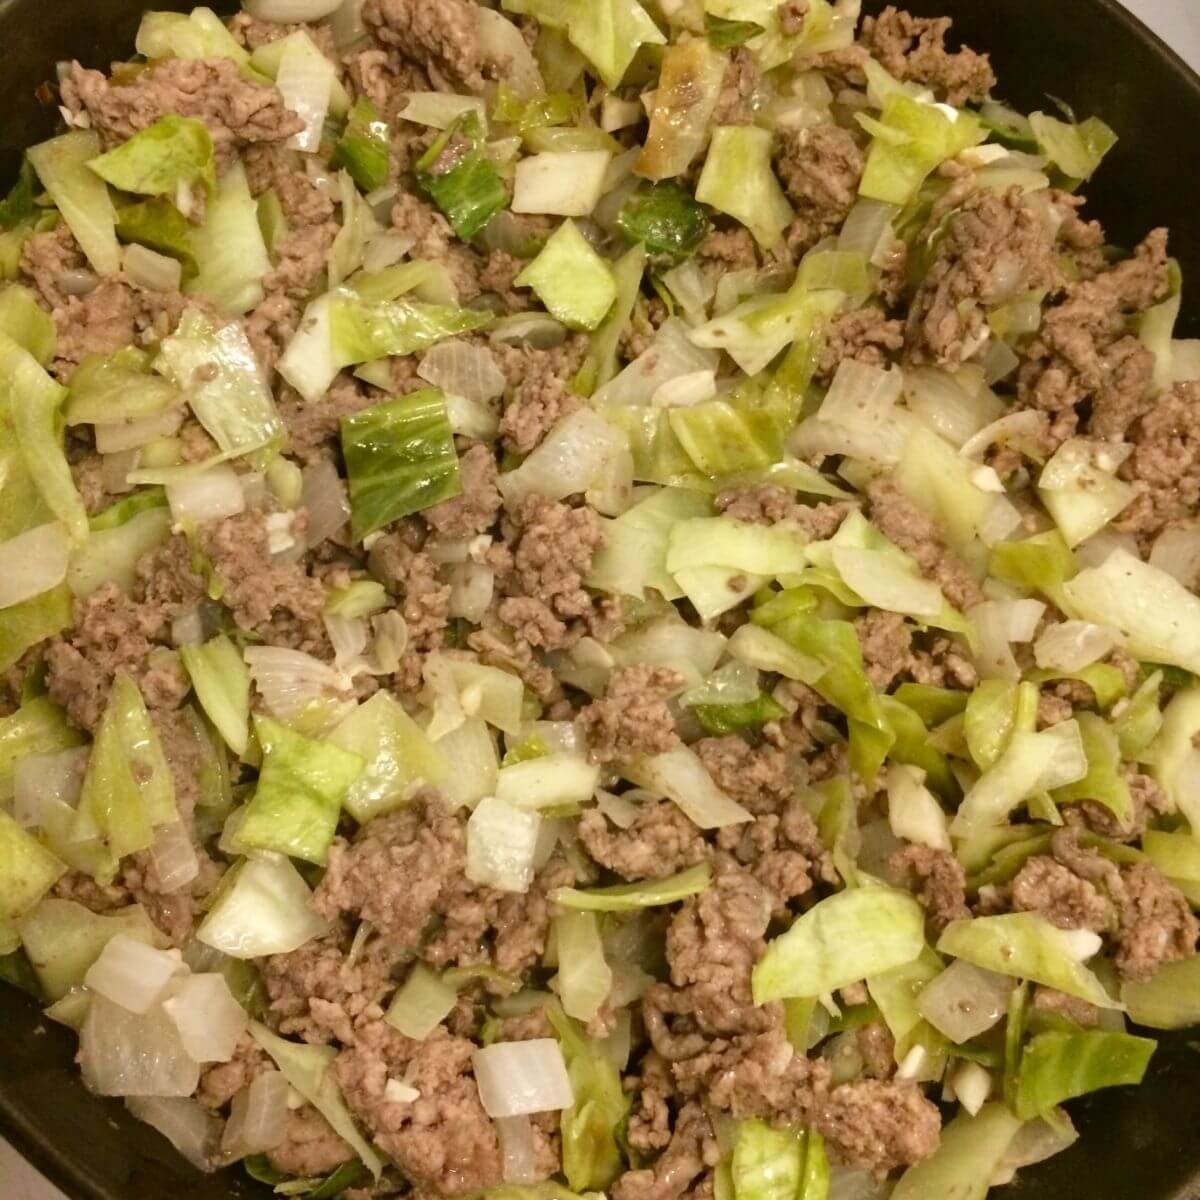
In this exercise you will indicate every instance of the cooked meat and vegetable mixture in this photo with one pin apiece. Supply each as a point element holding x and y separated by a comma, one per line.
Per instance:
<point>595,597</point>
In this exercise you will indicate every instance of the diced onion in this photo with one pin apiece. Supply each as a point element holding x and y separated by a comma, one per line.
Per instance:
<point>914,813</point>
<point>130,973</point>
<point>500,41</point>
<point>293,684</point>
<point>537,330</point>
<point>472,586</point>
<point>1177,551</point>
<point>548,782</point>
<point>1073,645</point>
<point>560,183</point>
<point>501,844</point>
<point>998,623</point>
<point>206,496</point>
<point>517,1149</point>
<point>132,435</point>
<point>965,1001</point>
<point>184,1122</point>
<point>174,857</point>
<point>618,809</point>
<point>42,782</point>
<point>305,81</point>
<point>516,1078</point>
<point>681,776</point>
<point>423,1002</point>
<point>291,12</point>
<point>155,272</point>
<point>33,562</point>
<point>972,1086</point>
<point>258,1117</point>
<point>323,495</point>
<point>122,1053</point>
<point>463,369</point>
<point>210,1021</point>
<point>573,453</point>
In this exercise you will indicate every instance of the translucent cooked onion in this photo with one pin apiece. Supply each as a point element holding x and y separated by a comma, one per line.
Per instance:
<point>174,857</point>
<point>516,1078</point>
<point>501,844</point>
<point>1177,551</point>
<point>517,1149</point>
<point>501,41</point>
<point>44,781</point>
<point>122,1053</point>
<point>206,496</point>
<point>472,586</point>
<point>538,331</point>
<point>1073,645</point>
<point>965,1001</point>
<point>291,12</point>
<point>349,28</point>
<point>463,369</point>
<point>184,1122</point>
<point>155,272</point>
<point>131,435</point>
<point>323,495</point>
<point>258,1117</point>
<point>294,684</point>
<point>130,973</point>
<point>33,562</point>
<point>210,1021</point>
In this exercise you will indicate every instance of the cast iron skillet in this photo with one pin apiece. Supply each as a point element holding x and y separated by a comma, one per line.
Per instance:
<point>1137,1143</point>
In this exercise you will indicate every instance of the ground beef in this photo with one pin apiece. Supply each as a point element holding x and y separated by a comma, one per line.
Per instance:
<point>314,426</point>
<point>660,842</point>
<point>113,633</point>
<point>440,35</point>
<point>496,648</point>
<point>220,1082</point>
<point>877,1049</point>
<point>783,851</point>
<point>398,873</point>
<point>886,642</point>
<point>769,504</point>
<point>760,778</point>
<point>691,1151</point>
<point>632,719</point>
<point>309,1148</point>
<point>317,994</point>
<point>1059,1004</point>
<point>476,509</point>
<point>538,403</point>
<point>738,100</point>
<point>820,168</point>
<point>236,111</point>
<point>1050,889</point>
<point>898,518</point>
<point>941,882</point>
<point>113,315</point>
<point>552,552</point>
<point>1157,923</point>
<point>732,249</point>
<point>274,598</point>
<point>425,603</point>
<point>442,1141</point>
<point>435,241</point>
<point>991,241</point>
<point>1148,798</point>
<point>1082,350</point>
<point>944,664</point>
<point>1165,463</point>
<point>914,48</point>
<point>865,335</point>
<point>167,577</point>
<point>879,1125</point>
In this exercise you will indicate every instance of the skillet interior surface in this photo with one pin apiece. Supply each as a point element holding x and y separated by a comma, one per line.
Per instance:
<point>1136,1143</point>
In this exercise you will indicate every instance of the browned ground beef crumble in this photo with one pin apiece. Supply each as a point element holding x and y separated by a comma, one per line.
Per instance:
<point>395,890</point>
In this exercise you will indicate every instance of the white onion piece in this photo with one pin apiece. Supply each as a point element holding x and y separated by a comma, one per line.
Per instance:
<point>131,974</point>
<point>114,471</point>
<point>323,495</point>
<point>206,496</point>
<point>972,1086</point>
<point>914,813</point>
<point>174,856</point>
<point>560,183</point>
<point>1177,551</point>
<point>151,270</point>
<point>685,390</point>
<point>187,629</point>
<point>210,1021</point>
<point>1081,944</point>
<point>1025,426</point>
<point>131,435</point>
<point>122,1053</point>
<point>464,369</point>
<point>389,641</point>
<point>305,81</point>
<point>515,1135</point>
<point>965,1000</point>
<point>266,908</point>
<point>682,777</point>
<point>348,637</point>
<point>1097,550</point>
<point>538,330</point>
<point>258,1117</point>
<point>42,782</point>
<point>501,843</point>
<point>572,455</point>
<point>385,250</point>
<point>290,12</point>
<point>33,562</point>
<point>998,623</point>
<point>620,811</point>
<point>184,1122</point>
<point>395,1091</point>
<point>1073,645</point>
<point>291,682</point>
<point>516,1078</point>
<point>472,586</point>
